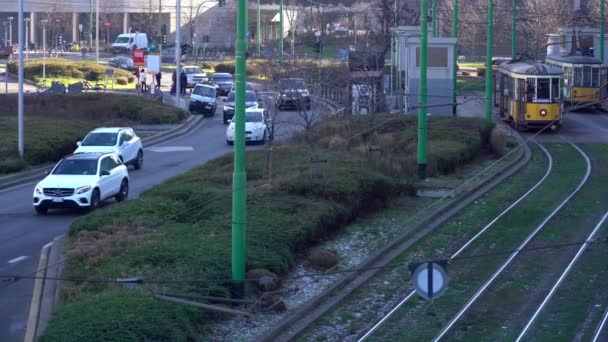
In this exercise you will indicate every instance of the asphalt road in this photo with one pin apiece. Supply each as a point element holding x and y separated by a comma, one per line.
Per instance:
<point>23,233</point>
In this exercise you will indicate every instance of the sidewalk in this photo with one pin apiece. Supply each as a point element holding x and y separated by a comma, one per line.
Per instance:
<point>13,84</point>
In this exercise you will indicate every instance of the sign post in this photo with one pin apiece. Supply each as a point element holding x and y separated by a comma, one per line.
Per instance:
<point>138,57</point>
<point>430,280</point>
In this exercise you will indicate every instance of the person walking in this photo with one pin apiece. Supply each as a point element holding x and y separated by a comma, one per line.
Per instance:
<point>183,81</point>
<point>142,81</point>
<point>159,75</point>
<point>173,84</point>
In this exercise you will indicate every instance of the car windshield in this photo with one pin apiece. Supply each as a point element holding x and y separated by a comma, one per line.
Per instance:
<point>100,139</point>
<point>250,97</point>
<point>222,78</point>
<point>193,70</point>
<point>292,84</point>
<point>254,117</point>
<point>204,91</point>
<point>76,167</point>
<point>122,40</point>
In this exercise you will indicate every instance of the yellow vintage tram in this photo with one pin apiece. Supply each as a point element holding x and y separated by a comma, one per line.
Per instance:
<point>584,81</point>
<point>530,94</point>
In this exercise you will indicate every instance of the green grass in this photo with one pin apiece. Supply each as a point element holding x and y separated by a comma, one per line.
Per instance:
<point>470,84</point>
<point>472,65</point>
<point>54,123</point>
<point>181,229</point>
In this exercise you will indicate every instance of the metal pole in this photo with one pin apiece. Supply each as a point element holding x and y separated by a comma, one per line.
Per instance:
<point>281,32</point>
<point>258,30</point>
<point>602,10</point>
<point>394,49</point>
<point>424,27</point>
<point>97,31</point>
<point>489,83</point>
<point>44,49</point>
<point>6,67</point>
<point>178,52</point>
<point>160,38</point>
<point>20,24</point>
<point>90,24</point>
<point>455,60</point>
<point>27,40</point>
<point>239,182</point>
<point>434,18</point>
<point>514,30</point>
<point>392,79</point>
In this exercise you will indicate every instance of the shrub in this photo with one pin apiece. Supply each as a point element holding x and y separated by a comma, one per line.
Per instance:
<point>8,165</point>
<point>498,142</point>
<point>322,258</point>
<point>131,79</point>
<point>121,80</point>
<point>228,67</point>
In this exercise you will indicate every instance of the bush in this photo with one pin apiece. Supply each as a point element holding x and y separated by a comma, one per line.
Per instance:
<point>121,80</point>
<point>8,165</point>
<point>322,258</point>
<point>228,67</point>
<point>61,68</point>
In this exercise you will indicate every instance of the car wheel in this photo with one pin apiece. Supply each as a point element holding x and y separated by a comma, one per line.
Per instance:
<point>95,200</point>
<point>229,142</point>
<point>139,161</point>
<point>124,191</point>
<point>41,209</point>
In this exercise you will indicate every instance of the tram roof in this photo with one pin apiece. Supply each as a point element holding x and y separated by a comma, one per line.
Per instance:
<point>530,68</point>
<point>574,59</point>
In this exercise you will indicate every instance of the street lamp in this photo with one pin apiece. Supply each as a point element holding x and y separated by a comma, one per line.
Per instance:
<point>43,21</point>
<point>6,68</point>
<point>10,35</point>
<point>27,40</point>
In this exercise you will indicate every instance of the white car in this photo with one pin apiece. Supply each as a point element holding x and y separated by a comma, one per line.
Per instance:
<point>255,126</point>
<point>82,180</point>
<point>120,140</point>
<point>195,75</point>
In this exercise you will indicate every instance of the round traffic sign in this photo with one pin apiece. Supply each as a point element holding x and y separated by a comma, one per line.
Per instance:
<point>430,280</point>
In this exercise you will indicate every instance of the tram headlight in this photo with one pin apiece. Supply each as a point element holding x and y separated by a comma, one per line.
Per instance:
<point>543,112</point>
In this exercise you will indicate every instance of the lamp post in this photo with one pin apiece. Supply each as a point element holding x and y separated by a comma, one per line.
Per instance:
<point>257,33</point>
<point>178,53</point>
<point>27,40</point>
<point>10,35</point>
<point>20,125</point>
<point>455,60</point>
<point>422,110</point>
<point>6,68</point>
<point>97,31</point>
<point>44,21</point>
<point>489,75</point>
<point>281,32</point>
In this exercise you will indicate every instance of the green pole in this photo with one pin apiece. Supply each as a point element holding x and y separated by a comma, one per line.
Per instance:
<point>422,110</point>
<point>489,78</point>
<point>394,49</point>
<point>239,194</point>
<point>455,60</point>
<point>258,32</point>
<point>281,32</point>
<point>602,30</point>
<point>513,30</point>
<point>160,32</point>
<point>434,18</point>
<point>90,24</point>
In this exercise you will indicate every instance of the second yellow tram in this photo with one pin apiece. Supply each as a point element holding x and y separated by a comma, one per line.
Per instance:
<point>585,78</point>
<point>530,94</point>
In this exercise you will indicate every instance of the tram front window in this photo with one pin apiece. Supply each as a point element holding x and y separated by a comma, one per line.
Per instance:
<point>555,93</point>
<point>543,90</point>
<point>530,93</point>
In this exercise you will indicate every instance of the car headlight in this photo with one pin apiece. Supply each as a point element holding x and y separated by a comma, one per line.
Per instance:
<point>83,189</point>
<point>38,190</point>
<point>543,112</point>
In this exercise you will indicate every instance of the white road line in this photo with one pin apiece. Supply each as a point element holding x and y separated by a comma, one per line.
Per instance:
<point>16,260</point>
<point>562,277</point>
<point>549,168</point>
<point>598,332</point>
<point>522,246</point>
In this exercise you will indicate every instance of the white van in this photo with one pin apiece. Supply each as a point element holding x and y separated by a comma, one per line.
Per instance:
<point>127,42</point>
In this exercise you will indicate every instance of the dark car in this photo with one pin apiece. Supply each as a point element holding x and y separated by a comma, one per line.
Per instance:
<point>203,99</point>
<point>122,63</point>
<point>6,51</point>
<point>293,94</point>
<point>251,101</point>
<point>223,83</point>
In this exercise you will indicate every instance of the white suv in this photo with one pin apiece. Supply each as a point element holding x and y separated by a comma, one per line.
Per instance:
<point>255,126</point>
<point>119,140</point>
<point>82,180</point>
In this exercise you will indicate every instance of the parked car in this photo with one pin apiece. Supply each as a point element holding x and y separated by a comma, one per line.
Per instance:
<point>195,75</point>
<point>203,99</point>
<point>127,42</point>
<point>248,86</point>
<point>223,83</point>
<point>82,180</point>
<point>6,51</point>
<point>251,101</point>
<point>122,63</point>
<point>255,126</point>
<point>168,55</point>
<point>293,94</point>
<point>120,140</point>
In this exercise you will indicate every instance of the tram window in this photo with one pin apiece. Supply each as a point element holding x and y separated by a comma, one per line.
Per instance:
<point>578,77</point>
<point>586,76</point>
<point>555,89</point>
<point>543,89</point>
<point>567,76</point>
<point>530,89</point>
<point>595,77</point>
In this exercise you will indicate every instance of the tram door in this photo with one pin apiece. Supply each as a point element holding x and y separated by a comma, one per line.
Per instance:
<point>521,99</point>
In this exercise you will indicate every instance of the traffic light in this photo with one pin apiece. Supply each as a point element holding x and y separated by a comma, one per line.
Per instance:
<point>164,39</point>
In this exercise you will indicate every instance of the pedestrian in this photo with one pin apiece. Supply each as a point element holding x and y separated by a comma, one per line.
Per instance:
<point>159,75</point>
<point>183,81</point>
<point>142,81</point>
<point>173,84</point>
<point>83,51</point>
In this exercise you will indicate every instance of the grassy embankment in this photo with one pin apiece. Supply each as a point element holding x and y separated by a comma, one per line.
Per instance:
<point>181,229</point>
<point>54,123</point>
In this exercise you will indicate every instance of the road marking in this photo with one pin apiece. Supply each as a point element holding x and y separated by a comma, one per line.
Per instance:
<point>16,260</point>
<point>162,149</point>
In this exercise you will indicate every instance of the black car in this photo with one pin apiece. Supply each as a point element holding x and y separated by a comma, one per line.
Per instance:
<point>223,83</point>
<point>251,101</point>
<point>203,99</point>
<point>122,63</point>
<point>293,94</point>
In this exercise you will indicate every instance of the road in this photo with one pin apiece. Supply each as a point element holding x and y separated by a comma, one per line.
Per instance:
<point>23,233</point>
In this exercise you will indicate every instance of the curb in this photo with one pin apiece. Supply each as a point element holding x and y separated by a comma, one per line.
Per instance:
<point>30,333</point>
<point>291,326</point>
<point>38,173</point>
